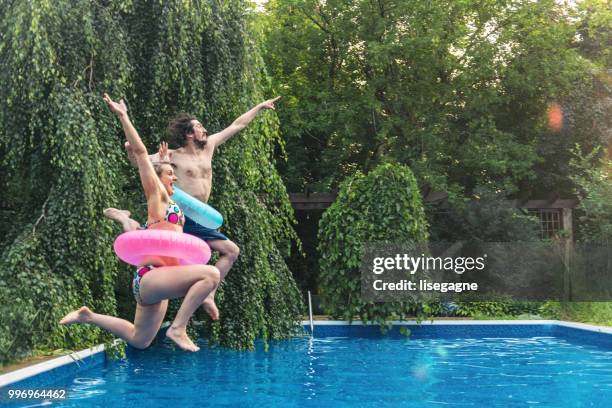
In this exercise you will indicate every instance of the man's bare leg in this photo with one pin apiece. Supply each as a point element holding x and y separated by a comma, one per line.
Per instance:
<point>229,253</point>
<point>123,218</point>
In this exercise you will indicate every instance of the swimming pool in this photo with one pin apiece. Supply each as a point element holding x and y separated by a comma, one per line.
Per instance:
<point>475,364</point>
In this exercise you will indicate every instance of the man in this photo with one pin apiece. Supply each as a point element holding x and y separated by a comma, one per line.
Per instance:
<point>193,167</point>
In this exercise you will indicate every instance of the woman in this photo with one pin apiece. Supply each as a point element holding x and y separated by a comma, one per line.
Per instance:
<point>157,278</point>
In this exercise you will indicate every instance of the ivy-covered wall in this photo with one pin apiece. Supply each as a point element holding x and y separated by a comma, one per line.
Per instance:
<point>62,160</point>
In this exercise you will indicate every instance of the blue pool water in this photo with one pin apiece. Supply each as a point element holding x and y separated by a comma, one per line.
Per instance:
<point>470,366</point>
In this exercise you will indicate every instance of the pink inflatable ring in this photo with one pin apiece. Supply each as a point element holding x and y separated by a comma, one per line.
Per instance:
<point>134,246</point>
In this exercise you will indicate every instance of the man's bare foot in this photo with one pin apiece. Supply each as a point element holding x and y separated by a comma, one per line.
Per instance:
<point>179,336</point>
<point>122,217</point>
<point>211,308</point>
<point>83,315</point>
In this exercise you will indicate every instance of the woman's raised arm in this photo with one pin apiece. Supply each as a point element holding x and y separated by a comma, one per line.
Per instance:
<point>150,181</point>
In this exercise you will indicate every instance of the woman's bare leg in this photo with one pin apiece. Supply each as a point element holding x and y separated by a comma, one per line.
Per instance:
<point>147,322</point>
<point>194,282</point>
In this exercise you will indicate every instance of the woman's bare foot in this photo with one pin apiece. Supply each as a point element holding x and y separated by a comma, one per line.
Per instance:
<point>179,336</point>
<point>211,308</point>
<point>122,217</point>
<point>83,315</point>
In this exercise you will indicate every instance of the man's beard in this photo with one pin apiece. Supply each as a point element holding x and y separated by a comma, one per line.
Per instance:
<point>200,143</point>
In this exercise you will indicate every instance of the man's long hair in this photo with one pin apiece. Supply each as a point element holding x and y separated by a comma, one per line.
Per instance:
<point>179,127</point>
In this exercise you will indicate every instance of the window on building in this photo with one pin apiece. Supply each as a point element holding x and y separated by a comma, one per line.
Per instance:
<point>550,221</point>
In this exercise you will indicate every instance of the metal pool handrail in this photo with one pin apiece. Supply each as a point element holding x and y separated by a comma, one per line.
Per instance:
<point>310,313</point>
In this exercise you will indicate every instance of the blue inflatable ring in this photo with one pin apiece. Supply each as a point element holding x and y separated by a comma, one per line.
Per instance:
<point>198,211</point>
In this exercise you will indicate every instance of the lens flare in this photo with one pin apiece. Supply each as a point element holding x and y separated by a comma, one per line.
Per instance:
<point>555,117</point>
<point>442,352</point>
<point>421,372</point>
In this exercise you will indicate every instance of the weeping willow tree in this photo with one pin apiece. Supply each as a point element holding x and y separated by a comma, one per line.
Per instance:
<point>62,160</point>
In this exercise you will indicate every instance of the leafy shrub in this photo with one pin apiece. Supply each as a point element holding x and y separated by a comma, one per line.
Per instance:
<point>587,312</point>
<point>382,206</point>
<point>497,308</point>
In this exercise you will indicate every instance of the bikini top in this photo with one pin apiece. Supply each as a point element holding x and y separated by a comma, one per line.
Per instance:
<point>174,215</point>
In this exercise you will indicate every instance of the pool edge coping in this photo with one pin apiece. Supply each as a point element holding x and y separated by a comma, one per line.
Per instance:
<point>562,323</point>
<point>39,368</point>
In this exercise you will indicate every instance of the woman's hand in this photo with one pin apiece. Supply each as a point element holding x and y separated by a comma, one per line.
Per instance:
<point>118,108</point>
<point>164,155</point>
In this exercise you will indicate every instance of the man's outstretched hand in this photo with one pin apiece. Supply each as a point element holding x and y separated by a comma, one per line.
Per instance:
<point>269,104</point>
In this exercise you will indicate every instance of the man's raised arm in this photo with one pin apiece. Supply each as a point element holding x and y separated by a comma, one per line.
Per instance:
<point>240,123</point>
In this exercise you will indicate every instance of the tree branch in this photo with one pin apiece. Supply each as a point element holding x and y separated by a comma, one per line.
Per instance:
<point>42,215</point>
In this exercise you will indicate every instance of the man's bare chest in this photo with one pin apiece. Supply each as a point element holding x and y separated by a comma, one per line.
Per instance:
<point>188,167</point>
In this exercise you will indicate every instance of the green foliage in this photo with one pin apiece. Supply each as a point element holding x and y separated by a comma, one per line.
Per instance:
<point>382,206</point>
<point>551,310</point>
<point>62,160</point>
<point>592,178</point>
<point>501,308</point>
<point>587,312</point>
<point>587,103</point>
<point>486,218</point>
<point>57,172</point>
<point>457,90</point>
<point>595,31</point>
